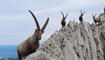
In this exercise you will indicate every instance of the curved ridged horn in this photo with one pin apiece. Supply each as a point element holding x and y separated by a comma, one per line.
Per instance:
<point>66,15</point>
<point>84,12</point>
<point>62,14</point>
<point>44,26</point>
<point>92,14</point>
<point>81,11</point>
<point>37,24</point>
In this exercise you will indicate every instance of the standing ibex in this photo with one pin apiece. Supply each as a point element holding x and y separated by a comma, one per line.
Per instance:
<point>81,16</point>
<point>96,19</point>
<point>104,10</point>
<point>63,22</point>
<point>32,43</point>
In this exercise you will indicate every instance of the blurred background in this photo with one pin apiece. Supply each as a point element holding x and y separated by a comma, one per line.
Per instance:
<point>17,24</point>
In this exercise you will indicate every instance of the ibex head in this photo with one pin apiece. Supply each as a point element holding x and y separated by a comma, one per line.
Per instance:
<point>64,17</point>
<point>39,31</point>
<point>94,16</point>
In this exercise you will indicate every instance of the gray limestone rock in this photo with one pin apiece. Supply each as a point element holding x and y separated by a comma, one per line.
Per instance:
<point>76,41</point>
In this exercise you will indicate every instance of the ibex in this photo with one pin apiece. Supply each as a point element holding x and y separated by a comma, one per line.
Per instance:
<point>104,10</point>
<point>96,19</point>
<point>81,16</point>
<point>63,22</point>
<point>32,43</point>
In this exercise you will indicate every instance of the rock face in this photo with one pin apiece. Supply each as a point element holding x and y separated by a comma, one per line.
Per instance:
<point>76,41</point>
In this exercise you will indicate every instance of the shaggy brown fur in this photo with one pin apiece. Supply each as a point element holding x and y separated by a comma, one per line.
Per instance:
<point>32,43</point>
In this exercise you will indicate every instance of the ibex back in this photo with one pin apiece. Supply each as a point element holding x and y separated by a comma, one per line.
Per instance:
<point>32,43</point>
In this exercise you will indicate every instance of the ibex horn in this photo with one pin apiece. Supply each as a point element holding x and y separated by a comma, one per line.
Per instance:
<point>66,15</point>
<point>62,14</point>
<point>44,26</point>
<point>37,24</point>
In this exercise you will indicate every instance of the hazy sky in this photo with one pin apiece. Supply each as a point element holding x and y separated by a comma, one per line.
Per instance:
<point>17,24</point>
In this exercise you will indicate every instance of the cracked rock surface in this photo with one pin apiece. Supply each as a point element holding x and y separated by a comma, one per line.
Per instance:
<point>76,41</point>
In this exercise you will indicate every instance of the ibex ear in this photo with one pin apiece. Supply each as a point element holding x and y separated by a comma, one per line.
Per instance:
<point>44,26</point>
<point>36,21</point>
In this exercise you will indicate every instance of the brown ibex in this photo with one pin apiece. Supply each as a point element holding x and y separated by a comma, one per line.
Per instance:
<point>81,16</point>
<point>32,43</point>
<point>104,10</point>
<point>96,19</point>
<point>63,22</point>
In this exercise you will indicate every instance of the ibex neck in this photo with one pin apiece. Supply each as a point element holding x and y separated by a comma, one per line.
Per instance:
<point>34,40</point>
<point>35,36</point>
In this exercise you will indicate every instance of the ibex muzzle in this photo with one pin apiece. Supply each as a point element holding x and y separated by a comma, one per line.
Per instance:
<point>63,22</point>
<point>32,43</point>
